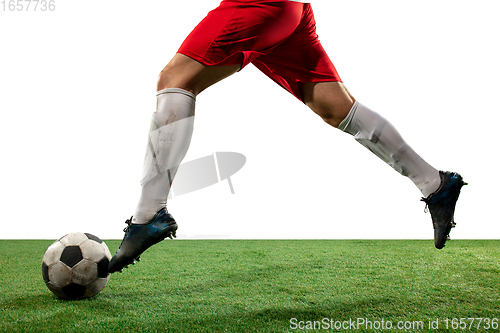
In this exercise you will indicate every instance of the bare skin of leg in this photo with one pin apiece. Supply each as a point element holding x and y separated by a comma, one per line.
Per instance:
<point>329,100</point>
<point>188,74</point>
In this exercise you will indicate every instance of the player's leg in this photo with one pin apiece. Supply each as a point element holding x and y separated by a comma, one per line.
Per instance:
<point>168,141</point>
<point>212,52</point>
<point>186,73</point>
<point>301,65</point>
<point>332,102</point>
<point>230,37</point>
<point>172,128</point>
<point>329,100</point>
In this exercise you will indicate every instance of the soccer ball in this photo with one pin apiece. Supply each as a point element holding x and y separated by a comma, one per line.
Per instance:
<point>76,266</point>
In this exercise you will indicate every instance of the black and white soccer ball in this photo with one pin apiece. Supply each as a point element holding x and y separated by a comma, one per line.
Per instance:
<point>76,266</point>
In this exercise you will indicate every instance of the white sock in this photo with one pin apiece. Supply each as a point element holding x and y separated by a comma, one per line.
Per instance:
<point>169,138</point>
<point>379,136</point>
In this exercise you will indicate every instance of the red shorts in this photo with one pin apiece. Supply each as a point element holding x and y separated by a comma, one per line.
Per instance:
<point>278,37</point>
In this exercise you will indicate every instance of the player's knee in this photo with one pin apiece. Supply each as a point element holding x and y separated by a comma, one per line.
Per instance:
<point>328,115</point>
<point>173,77</point>
<point>334,114</point>
<point>164,79</point>
<point>332,120</point>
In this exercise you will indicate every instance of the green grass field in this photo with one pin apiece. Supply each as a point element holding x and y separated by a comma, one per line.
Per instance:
<point>261,285</point>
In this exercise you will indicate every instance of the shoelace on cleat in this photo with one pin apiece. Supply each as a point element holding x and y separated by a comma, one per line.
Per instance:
<point>426,209</point>
<point>129,224</point>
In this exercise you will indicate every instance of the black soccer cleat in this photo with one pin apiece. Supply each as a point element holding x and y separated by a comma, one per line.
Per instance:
<point>139,237</point>
<point>442,203</point>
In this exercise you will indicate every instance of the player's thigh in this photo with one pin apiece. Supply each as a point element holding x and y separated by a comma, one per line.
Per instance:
<point>226,40</point>
<point>188,74</point>
<point>330,100</point>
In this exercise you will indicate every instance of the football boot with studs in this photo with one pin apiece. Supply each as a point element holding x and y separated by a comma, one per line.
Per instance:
<point>139,237</point>
<point>441,204</point>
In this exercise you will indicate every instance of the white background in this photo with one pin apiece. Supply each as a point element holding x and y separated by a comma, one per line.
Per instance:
<point>77,88</point>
